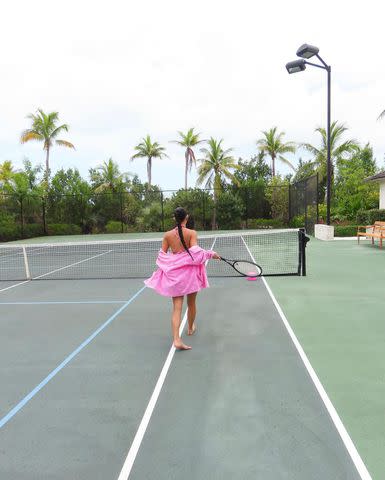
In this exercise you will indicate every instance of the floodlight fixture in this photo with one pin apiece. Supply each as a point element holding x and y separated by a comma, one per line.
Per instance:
<point>307,51</point>
<point>296,66</point>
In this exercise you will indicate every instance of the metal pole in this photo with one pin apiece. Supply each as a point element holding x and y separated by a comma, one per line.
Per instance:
<point>329,164</point>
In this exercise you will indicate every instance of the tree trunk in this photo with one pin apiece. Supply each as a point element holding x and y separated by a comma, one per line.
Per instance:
<point>149,171</point>
<point>185,173</point>
<point>47,167</point>
<point>217,186</point>
<point>273,166</point>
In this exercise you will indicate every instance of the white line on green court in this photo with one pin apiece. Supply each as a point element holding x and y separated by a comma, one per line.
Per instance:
<point>13,286</point>
<point>72,264</point>
<point>60,367</point>
<point>132,453</point>
<point>355,456</point>
<point>85,302</point>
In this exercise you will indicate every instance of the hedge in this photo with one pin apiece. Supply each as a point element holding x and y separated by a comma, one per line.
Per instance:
<point>368,217</point>
<point>64,229</point>
<point>265,223</point>
<point>345,231</point>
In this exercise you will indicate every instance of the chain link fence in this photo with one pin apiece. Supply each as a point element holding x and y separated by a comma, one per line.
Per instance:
<point>142,210</point>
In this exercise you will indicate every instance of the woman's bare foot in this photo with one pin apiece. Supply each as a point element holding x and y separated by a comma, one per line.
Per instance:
<point>191,331</point>
<point>179,345</point>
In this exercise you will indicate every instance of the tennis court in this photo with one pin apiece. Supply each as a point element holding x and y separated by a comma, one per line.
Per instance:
<point>285,379</point>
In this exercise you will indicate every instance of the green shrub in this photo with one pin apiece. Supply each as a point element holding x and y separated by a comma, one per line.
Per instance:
<point>8,228</point>
<point>368,217</point>
<point>114,226</point>
<point>230,210</point>
<point>64,229</point>
<point>345,230</point>
<point>150,219</point>
<point>31,230</point>
<point>297,222</point>
<point>265,223</point>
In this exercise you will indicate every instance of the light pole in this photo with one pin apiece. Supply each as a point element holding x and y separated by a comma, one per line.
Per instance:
<point>308,51</point>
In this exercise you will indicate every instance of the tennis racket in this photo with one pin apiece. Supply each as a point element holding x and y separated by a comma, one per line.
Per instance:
<point>244,267</point>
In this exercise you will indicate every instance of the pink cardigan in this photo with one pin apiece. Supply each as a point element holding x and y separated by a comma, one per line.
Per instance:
<point>178,274</point>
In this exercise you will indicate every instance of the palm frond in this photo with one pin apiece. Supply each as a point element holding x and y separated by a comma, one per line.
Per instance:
<point>286,162</point>
<point>64,143</point>
<point>29,135</point>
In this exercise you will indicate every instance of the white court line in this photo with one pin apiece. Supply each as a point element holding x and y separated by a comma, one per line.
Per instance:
<point>57,270</point>
<point>132,453</point>
<point>355,456</point>
<point>72,265</point>
<point>79,302</point>
<point>13,286</point>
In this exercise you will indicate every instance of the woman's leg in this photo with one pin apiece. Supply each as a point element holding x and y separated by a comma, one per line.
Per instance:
<point>175,323</point>
<point>191,312</point>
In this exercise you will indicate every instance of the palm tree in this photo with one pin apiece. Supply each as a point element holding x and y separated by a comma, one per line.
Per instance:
<point>45,129</point>
<point>273,145</point>
<point>108,177</point>
<point>215,168</point>
<point>149,150</point>
<point>188,140</point>
<point>6,173</point>
<point>337,149</point>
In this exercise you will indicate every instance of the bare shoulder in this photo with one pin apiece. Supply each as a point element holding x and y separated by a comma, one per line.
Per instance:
<point>193,237</point>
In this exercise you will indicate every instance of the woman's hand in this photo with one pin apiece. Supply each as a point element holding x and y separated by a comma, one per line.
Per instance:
<point>216,256</point>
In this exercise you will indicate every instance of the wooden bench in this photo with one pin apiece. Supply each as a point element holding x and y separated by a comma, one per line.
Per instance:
<point>377,231</point>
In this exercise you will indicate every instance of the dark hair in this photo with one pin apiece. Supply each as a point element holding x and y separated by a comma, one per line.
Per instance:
<point>190,222</point>
<point>180,214</point>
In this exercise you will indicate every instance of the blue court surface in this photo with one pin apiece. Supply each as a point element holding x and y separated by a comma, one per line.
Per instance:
<point>93,389</point>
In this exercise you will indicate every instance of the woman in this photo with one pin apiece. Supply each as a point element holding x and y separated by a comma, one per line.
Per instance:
<point>181,272</point>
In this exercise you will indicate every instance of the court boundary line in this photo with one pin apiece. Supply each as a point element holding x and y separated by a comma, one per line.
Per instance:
<point>6,418</point>
<point>340,427</point>
<point>15,285</point>
<point>136,443</point>
<point>80,302</point>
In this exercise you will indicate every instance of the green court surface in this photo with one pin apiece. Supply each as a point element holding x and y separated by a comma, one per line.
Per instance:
<point>82,360</point>
<point>338,315</point>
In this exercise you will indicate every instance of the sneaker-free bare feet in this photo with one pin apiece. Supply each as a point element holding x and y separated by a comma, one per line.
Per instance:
<point>181,346</point>
<point>192,330</point>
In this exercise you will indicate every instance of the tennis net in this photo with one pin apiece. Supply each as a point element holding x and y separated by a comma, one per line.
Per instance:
<point>278,252</point>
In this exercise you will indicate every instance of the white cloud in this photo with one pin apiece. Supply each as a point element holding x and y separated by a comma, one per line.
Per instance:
<point>119,70</point>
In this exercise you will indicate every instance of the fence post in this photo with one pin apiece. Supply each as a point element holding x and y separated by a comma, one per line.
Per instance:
<point>44,217</point>
<point>121,211</point>
<point>162,207</point>
<point>317,193</point>
<point>203,210</point>
<point>21,217</point>
<point>247,205</point>
<point>289,206</point>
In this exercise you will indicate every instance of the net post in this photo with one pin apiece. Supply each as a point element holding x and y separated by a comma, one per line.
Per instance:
<point>302,251</point>
<point>26,264</point>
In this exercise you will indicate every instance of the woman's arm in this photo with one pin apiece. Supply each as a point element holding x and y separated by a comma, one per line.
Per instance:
<point>165,244</point>
<point>194,241</point>
<point>193,238</point>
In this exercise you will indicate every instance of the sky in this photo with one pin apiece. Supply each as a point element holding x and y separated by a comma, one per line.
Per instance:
<point>119,70</point>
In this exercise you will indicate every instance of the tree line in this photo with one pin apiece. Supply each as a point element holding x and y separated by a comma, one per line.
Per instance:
<point>217,169</point>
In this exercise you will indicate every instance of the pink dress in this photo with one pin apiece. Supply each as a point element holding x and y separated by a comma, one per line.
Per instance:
<point>178,274</point>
